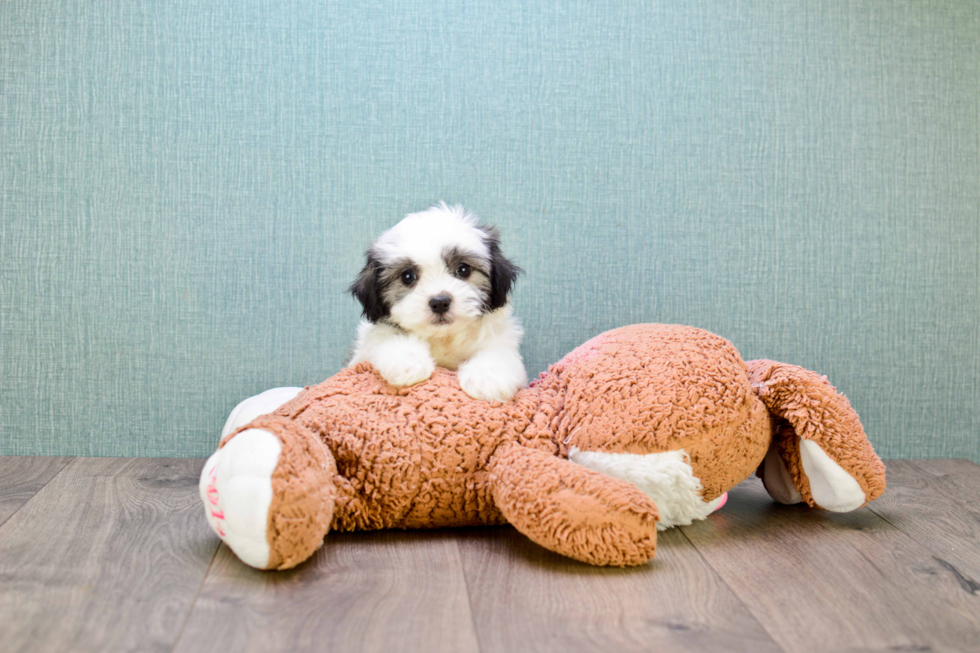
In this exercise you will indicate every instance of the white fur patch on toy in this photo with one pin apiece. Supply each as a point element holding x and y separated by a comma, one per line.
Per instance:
<point>236,488</point>
<point>260,404</point>
<point>667,478</point>
<point>832,488</point>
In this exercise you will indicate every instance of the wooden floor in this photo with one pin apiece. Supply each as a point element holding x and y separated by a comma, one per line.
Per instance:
<point>102,554</point>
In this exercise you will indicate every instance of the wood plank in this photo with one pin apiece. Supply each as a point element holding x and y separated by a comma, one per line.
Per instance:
<point>948,466</point>
<point>525,598</point>
<point>821,581</point>
<point>21,477</point>
<point>932,511</point>
<point>377,591</point>
<point>108,556</point>
<point>961,474</point>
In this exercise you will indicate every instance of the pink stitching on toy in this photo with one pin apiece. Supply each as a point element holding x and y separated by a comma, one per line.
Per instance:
<point>212,492</point>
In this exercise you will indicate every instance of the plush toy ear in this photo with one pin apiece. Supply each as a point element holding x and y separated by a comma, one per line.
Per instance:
<point>821,454</point>
<point>367,289</point>
<point>503,272</point>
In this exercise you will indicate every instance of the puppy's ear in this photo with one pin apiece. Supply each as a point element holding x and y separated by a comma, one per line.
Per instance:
<point>503,272</point>
<point>367,289</point>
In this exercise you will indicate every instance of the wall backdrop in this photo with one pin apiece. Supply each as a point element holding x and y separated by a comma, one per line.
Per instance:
<point>187,187</point>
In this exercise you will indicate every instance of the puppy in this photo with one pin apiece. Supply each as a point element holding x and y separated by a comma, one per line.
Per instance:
<point>435,292</point>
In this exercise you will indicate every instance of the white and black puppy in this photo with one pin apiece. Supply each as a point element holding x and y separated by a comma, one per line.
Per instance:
<point>435,292</point>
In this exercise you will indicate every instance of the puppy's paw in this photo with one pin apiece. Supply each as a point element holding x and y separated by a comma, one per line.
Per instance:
<point>409,367</point>
<point>486,383</point>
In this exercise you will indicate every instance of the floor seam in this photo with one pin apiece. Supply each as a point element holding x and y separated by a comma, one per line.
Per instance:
<point>469,595</point>
<point>731,589</point>
<point>38,491</point>
<point>197,595</point>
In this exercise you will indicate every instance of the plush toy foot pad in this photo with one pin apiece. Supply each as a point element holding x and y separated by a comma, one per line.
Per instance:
<point>236,487</point>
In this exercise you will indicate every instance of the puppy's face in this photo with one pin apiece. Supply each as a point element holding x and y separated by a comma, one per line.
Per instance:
<point>434,273</point>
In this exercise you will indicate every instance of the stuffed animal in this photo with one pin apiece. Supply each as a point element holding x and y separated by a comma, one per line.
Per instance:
<point>640,428</point>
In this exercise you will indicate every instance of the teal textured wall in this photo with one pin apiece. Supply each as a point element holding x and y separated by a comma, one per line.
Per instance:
<point>186,189</point>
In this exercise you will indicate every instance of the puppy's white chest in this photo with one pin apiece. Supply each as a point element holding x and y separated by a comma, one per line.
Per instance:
<point>449,352</point>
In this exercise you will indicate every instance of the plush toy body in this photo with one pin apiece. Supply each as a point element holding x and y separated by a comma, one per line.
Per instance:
<point>640,426</point>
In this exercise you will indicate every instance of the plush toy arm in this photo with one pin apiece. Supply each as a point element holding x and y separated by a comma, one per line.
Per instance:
<point>820,453</point>
<point>268,492</point>
<point>573,510</point>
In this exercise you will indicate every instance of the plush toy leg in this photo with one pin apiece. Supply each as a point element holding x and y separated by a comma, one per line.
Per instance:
<point>820,453</point>
<point>573,510</point>
<point>268,492</point>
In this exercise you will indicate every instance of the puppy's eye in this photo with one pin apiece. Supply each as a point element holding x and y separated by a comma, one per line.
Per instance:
<point>408,277</point>
<point>463,271</point>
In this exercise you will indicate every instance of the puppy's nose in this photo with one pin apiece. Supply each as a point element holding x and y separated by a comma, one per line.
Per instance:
<point>440,304</point>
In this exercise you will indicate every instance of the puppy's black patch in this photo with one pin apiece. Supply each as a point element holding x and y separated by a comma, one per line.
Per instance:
<point>368,289</point>
<point>503,272</point>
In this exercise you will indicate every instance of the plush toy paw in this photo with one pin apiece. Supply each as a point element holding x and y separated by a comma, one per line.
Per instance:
<point>487,379</point>
<point>236,488</point>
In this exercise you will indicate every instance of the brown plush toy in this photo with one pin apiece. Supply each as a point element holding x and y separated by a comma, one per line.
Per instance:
<point>640,428</point>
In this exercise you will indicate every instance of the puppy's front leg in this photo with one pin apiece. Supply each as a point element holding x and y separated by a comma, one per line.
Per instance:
<point>401,359</point>
<point>493,374</point>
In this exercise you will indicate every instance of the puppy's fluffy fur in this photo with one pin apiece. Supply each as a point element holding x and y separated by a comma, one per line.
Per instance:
<point>435,291</point>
